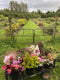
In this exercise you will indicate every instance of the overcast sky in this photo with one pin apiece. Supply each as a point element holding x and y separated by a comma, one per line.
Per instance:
<point>43,5</point>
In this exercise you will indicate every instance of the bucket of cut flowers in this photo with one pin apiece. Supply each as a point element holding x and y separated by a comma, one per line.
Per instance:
<point>29,61</point>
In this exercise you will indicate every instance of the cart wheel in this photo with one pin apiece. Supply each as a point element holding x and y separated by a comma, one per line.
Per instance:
<point>46,75</point>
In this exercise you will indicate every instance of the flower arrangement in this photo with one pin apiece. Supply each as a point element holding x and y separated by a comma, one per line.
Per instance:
<point>33,57</point>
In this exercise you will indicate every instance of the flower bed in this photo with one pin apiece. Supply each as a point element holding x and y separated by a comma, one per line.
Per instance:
<point>30,60</point>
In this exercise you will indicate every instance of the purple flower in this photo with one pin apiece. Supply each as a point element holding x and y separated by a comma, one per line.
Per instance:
<point>15,62</point>
<point>41,51</point>
<point>46,53</point>
<point>21,68</point>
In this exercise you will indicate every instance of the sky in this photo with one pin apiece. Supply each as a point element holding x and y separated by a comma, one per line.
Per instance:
<point>43,5</point>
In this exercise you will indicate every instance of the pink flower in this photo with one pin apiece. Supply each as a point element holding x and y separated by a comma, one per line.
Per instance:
<point>41,59</point>
<point>15,62</point>
<point>32,55</point>
<point>8,57</point>
<point>11,58</point>
<point>16,66</point>
<point>9,71</point>
<point>4,68</point>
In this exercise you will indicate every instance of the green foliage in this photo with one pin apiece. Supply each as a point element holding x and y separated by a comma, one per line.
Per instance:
<point>48,22</point>
<point>51,19</point>
<point>30,62</point>
<point>58,12</point>
<point>52,49</point>
<point>48,31</point>
<point>22,22</point>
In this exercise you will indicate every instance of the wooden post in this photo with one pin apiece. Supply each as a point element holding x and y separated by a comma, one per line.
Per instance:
<point>33,36</point>
<point>54,33</point>
<point>9,22</point>
<point>10,26</point>
<point>11,32</point>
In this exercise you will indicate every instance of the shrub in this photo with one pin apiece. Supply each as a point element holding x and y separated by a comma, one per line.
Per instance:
<point>48,22</point>
<point>39,19</point>
<point>58,18</point>
<point>40,24</point>
<point>51,19</point>
<point>22,22</point>
<point>48,31</point>
<point>58,23</point>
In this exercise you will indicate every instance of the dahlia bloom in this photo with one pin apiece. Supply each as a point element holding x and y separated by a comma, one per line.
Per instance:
<point>4,68</point>
<point>9,71</point>
<point>16,66</point>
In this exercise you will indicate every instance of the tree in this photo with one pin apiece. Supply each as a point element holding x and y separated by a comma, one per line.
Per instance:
<point>19,7</point>
<point>39,12</point>
<point>58,12</point>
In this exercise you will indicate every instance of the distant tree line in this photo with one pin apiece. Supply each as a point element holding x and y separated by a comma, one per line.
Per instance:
<point>48,13</point>
<point>21,10</point>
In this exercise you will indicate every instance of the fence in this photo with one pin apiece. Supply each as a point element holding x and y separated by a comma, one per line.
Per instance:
<point>29,36</point>
<point>25,36</point>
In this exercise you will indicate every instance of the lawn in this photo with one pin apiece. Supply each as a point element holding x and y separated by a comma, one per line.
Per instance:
<point>29,39</point>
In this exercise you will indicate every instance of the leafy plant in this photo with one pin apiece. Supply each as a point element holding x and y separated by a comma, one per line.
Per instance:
<point>22,22</point>
<point>30,62</point>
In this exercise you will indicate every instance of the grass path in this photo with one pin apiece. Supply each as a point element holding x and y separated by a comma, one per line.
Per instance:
<point>26,36</point>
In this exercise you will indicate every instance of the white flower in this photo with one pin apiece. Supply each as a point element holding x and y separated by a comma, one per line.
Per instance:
<point>32,47</point>
<point>40,64</point>
<point>18,59</point>
<point>51,62</point>
<point>36,51</point>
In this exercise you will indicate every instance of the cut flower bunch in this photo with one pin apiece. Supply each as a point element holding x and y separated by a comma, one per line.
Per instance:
<point>35,57</point>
